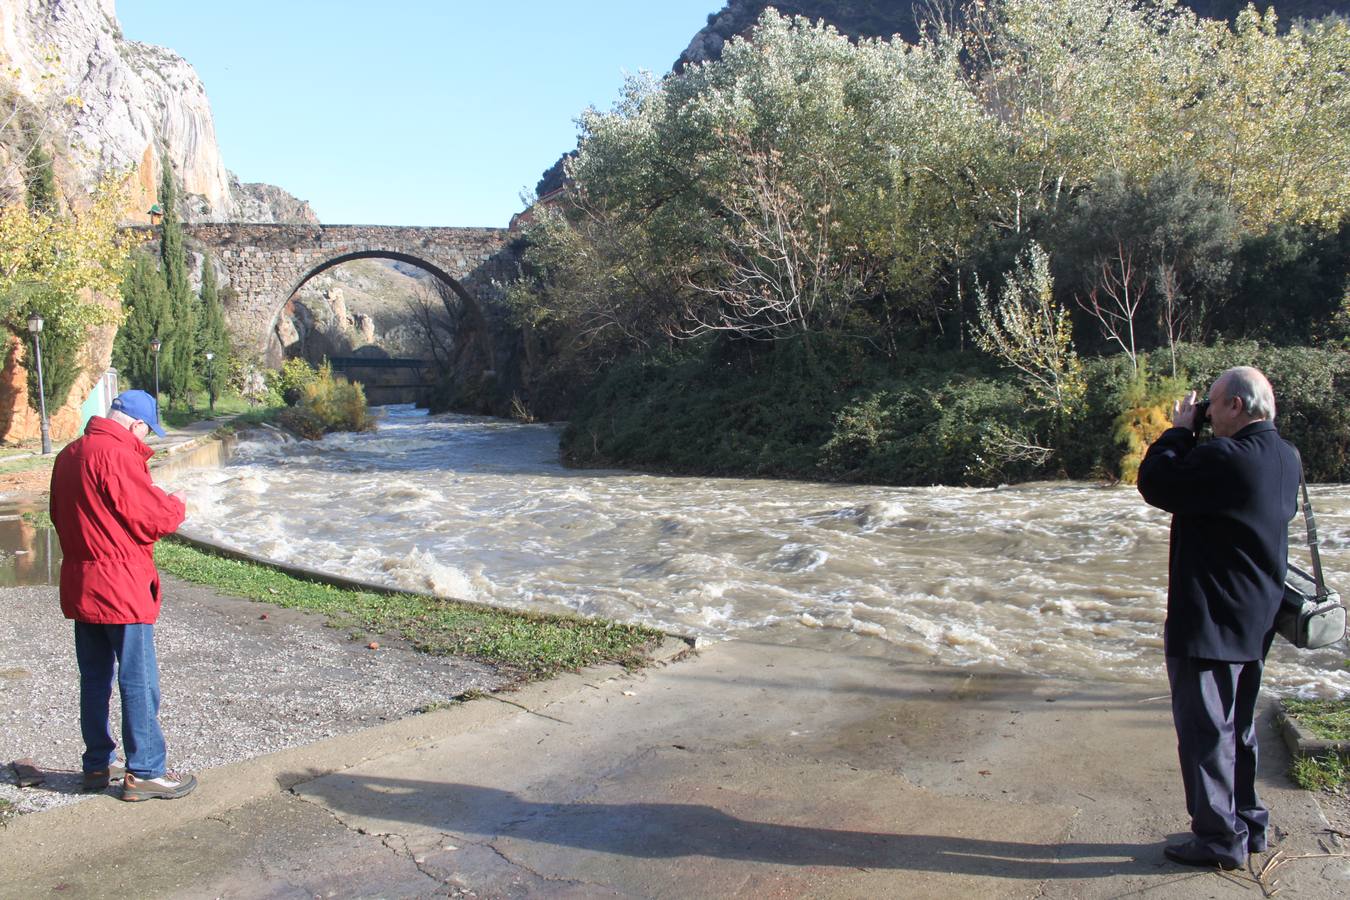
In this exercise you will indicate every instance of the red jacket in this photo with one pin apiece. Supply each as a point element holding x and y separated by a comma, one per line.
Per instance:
<point>108,515</point>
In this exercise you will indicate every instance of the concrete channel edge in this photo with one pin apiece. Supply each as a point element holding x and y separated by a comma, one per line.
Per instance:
<point>1302,742</point>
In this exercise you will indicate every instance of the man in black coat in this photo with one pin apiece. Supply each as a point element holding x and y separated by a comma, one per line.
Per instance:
<point>1231,500</point>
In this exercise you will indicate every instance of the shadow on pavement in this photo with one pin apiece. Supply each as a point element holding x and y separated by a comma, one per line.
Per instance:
<point>663,830</point>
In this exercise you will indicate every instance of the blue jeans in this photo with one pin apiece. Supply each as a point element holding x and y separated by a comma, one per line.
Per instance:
<point>132,648</point>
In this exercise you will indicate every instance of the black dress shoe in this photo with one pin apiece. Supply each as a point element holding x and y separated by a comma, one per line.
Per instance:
<point>1192,853</point>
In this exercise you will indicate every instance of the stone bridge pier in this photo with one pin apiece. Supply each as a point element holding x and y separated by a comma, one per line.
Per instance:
<point>266,263</point>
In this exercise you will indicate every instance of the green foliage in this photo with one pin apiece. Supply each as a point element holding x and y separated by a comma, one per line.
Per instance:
<point>53,262</point>
<point>41,180</point>
<point>953,429</point>
<point>850,199</point>
<point>1321,773</point>
<point>803,177</point>
<point>1165,244</point>
<point>62,345</point>
<point>820,410</point>
<point>1328,720</point>
<point>179,364</point>
<point>1290,282</point>
<point>328,403</point>
<point>289,382</point>
<point>212,336</point>
<point>1028,331</point>
<point>146,301</point>
<point>532,645</point>
<point>799,409</point>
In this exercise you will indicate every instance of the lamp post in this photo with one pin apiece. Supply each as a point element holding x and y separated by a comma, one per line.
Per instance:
<point>211,382</point>
<point>155,212</point>
<point>35,328</point>
<point>155,345</point>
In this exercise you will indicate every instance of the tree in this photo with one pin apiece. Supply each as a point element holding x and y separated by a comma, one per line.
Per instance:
<point>1027,330</point>
<point>41,180</point>
<point>1149,259</point>
<point>54,262</point>
<point>213,335</point>
<point>146,302</point>
<point>179,363</point>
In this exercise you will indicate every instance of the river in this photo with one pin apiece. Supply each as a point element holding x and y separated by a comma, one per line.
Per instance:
<point>1062,578</point>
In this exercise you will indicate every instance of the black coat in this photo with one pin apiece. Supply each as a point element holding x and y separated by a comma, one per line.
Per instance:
<point>1231,500</point>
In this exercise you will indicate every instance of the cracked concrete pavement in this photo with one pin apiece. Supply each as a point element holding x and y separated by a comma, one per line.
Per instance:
<point>750,769</point>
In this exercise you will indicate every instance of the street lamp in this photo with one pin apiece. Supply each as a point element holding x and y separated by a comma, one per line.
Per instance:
<point>211,382</point>
<point>35,328</point>
<point>155,212</point>
<point>155,345</point>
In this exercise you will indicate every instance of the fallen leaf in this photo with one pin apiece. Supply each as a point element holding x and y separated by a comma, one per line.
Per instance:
<point>373,645</point>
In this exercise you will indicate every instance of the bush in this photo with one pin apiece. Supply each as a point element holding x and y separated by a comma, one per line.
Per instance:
<point>328,403</point>
<point>290,381</point>
<point>823,410</point>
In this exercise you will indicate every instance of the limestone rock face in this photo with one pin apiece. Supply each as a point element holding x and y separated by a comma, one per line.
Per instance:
<point>136,102</point>
<point>258,202</point>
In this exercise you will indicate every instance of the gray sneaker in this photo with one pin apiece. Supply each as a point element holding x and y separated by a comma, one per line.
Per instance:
<point>99,779</point>
<point>165,787</point>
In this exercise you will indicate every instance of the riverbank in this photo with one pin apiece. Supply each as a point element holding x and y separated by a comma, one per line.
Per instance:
<point>831,409</point>
<point>751,769</point>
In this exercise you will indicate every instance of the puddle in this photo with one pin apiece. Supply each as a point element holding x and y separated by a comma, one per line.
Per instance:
<point>29,554</point>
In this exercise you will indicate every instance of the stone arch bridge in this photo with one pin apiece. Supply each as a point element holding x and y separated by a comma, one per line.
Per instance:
<point>266,263</point>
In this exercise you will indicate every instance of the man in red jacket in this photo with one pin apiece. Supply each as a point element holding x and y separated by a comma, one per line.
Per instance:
<point>108,515</point>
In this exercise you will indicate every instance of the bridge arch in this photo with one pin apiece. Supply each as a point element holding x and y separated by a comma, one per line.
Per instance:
<point>477,329</point>
<point>264,264</point>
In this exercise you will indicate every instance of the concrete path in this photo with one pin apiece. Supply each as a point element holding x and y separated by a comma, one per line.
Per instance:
<point>750,769</point>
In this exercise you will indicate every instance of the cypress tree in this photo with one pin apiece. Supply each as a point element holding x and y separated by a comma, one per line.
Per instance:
<point>41,182</point>
<point>178,363</point>
<point>212,334</point>
<point>147,300</point>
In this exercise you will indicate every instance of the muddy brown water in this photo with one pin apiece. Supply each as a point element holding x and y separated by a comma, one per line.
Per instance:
<point>1058,578</point>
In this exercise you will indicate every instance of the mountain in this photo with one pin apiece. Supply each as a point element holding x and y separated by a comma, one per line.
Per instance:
<point>884,18</point>
<point>137,102</point>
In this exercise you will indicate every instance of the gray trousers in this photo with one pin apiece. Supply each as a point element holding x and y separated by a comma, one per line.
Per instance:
<point>1214,710</point>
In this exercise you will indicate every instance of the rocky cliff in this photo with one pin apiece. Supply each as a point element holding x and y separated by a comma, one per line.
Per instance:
<point>135,102</point>
<point>883,18</point>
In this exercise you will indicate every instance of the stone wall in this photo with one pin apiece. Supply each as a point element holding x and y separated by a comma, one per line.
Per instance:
<point>264,264</point>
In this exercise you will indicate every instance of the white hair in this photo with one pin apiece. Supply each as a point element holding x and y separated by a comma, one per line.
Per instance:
<point>1253,389</point>
<point>122,418</point>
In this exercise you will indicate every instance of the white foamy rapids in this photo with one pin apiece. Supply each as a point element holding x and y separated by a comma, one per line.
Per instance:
<point>1054,578</point>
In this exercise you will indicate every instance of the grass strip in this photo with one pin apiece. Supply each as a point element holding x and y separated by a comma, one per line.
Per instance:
<point>38,518</point>
<point>1321,773</point>
<point>1328,720</point>
<point>26,463</point>
<point>529,644</point>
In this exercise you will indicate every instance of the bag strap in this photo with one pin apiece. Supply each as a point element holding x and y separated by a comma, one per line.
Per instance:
<point>1312,528</point>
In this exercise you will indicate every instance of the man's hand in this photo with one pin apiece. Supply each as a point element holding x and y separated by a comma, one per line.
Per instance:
<point>1183,412</point>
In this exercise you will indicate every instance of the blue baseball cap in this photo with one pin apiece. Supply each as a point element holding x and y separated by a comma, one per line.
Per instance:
<point>139,405</point>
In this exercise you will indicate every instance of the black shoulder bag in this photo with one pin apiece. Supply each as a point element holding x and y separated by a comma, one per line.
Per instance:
<point>1311,615</point>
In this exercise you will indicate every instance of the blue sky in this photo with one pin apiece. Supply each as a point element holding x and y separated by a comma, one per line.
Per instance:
<point>410,112</point>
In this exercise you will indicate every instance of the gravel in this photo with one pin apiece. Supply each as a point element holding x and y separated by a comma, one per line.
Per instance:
<point>234,684</point>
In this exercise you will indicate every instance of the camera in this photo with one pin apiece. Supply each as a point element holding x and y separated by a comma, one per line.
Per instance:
<point>1201,415</point>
